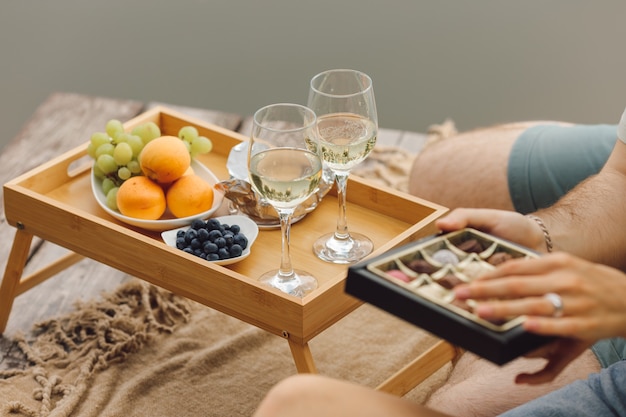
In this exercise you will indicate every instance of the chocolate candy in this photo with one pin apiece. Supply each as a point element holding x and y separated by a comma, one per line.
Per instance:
<point>499,257</point>
<point>471,246</point>
<point>445,256</point>
<point>449,281</point>
<point>421,266</point>
<point>396,273</point>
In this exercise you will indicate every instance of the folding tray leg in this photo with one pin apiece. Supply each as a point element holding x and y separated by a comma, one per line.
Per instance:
<point>302,357</point>
<point>402,381</point>
<point>14,283</point>
<point>13,273</point>
<point>421,368</point>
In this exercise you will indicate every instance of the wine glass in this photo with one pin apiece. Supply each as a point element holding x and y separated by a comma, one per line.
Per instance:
<point>343,101</point>
<point>285,168</point>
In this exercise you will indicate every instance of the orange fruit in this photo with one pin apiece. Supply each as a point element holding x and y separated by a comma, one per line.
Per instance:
<point>141,198</point>
<point>164,159</point>
<point>189,195</point>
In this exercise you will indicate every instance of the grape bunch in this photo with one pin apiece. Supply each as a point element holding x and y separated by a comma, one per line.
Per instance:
<point>212,240</point>
<point>116,152</point>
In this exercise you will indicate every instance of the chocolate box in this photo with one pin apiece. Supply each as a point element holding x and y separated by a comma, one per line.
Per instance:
<point>414,282</point>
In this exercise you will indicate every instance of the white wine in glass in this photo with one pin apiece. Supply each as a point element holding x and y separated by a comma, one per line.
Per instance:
<point>344,103</point>
<point>285,168</point>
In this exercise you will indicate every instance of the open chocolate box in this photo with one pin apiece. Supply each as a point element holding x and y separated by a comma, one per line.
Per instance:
<point>415,281</point>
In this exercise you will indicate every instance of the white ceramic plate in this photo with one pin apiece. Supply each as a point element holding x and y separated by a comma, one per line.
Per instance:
<point>167,221</point>
<point>248,227</point>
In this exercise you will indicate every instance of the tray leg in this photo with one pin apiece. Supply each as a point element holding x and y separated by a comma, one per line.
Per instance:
<point>420,368</point>
<point>13,273</point>
<point>302,357</point>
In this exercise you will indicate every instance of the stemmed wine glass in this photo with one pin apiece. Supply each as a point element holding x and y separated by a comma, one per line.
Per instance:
<point>343,101</point>
<point>285,167</point>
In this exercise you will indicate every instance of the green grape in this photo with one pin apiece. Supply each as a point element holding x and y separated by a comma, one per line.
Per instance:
<point>188,133</point>
<point>134,167</point>
<point>122,137</point>
<point>112,198</point>
<point>106,149</point>
<point>106,163</point>
<point>97,171</point>
<point>114,128</point>
<point>99,138</point>
<point>136,144</point>
<point>124,173</point>
<point>122,153</point>
<point>147,131</point>
<point>91,150</point>
<point>107,185</point>
<point>201,145</point>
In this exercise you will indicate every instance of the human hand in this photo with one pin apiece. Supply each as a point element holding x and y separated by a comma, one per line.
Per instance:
<point>508,225</point>
<point>593,296</point>
<point>558,354</point>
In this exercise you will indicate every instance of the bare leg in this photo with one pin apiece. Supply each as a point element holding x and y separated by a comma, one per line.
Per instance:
<point>468,169</point>
<point>479,388</point>
<point>312,395</point>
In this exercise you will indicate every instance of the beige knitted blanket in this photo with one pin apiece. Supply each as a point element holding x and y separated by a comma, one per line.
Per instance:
<point>142,351</point>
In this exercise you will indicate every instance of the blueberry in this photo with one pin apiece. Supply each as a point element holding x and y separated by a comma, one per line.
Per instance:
<point>203,235</point>
<point>214,234</point>
<point>198,224</point>
<point>212,224</point>
<point>223,253</point>
<point>220,242</point>
<point>209,247</point>
<point>241,240</point>
<point>235,251</point>
<point>190,234</point>
<point>188,250</point>
<point>212,257</point>
<point>180,233</point>
<point>180,242</point>
<point>235,229</point>
<point>195,243</point>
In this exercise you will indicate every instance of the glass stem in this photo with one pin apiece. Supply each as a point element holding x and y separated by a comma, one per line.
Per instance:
<point>286,269</point>
<point>342,221</point>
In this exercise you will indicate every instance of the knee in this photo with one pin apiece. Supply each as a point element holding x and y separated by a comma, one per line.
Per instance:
<point>289,395</point>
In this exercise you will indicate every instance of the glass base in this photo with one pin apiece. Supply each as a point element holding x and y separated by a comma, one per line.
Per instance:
<point>299,284</point>
<point>343,251</point>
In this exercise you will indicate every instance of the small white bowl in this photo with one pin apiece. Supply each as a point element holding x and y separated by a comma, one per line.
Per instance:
<point>167,221</point>
<point>248,227</point>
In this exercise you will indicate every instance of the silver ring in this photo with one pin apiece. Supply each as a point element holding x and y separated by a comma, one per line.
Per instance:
<point>557,303</point>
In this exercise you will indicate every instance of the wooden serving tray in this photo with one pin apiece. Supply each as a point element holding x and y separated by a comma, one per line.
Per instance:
<point>55,202</point>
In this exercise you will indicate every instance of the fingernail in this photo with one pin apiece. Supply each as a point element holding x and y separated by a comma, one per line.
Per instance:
<point>531,325</point>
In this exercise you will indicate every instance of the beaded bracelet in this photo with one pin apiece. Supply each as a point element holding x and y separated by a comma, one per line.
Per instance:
<point>544,229</point>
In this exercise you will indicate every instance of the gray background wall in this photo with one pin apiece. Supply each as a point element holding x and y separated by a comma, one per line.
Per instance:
<point>478,62</point>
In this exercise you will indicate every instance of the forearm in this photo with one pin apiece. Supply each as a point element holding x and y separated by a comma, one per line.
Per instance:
<point>590,221</point>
